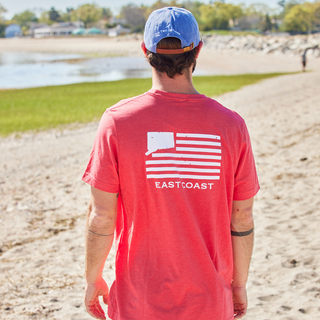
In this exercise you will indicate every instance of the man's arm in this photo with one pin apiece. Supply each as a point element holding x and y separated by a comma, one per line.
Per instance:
<point>242,242</point>
<point>101,221</point>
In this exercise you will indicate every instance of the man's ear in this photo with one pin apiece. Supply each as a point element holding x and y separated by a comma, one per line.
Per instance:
<point>144,49</point>
<point>199,47</point>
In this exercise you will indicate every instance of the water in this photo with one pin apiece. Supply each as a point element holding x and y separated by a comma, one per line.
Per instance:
<point>27,69</point>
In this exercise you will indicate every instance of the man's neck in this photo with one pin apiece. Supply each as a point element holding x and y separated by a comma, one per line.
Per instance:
<point>180,84</point>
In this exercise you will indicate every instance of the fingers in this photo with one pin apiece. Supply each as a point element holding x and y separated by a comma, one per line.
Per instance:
<point>106,298</point>
<point>239,316</point>
<point>239,313</point>
<point>101,312</point>
<point>96,311</point>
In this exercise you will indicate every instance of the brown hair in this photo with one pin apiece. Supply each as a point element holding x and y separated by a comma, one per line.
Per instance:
<point>172,64</point>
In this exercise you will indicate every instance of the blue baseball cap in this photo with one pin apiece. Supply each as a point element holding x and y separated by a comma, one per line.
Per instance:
<point>171,22</point>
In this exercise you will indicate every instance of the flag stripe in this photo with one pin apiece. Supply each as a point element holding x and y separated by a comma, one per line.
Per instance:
<point>198,150</point>
<point>205,143</point>
<point>181,155</point>
<point>194,163</point>
<point>186,176</point>
<point>183,169</point>
<point>196,135</point>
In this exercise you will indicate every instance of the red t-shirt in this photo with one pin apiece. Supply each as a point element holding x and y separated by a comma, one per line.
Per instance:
<point>178,161</point>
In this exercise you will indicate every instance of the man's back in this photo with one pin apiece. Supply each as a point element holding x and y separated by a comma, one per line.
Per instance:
<point>172,173</point>
<point>179,161</point>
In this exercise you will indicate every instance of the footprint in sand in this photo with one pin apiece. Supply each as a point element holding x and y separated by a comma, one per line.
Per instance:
<point>269,298</point>
<point>291,263</point>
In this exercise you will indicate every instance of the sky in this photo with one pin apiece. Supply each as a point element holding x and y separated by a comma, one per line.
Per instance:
<point>17,6</point>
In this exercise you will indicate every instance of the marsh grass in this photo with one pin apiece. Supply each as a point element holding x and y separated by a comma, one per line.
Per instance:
<point>48,107</point>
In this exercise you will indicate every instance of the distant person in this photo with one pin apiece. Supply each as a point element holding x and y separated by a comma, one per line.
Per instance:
<point>304,60</point>
<point>173,176</point>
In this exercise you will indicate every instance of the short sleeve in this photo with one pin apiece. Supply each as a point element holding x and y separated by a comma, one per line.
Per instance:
<point>246,184</point>
<point>102,169</point>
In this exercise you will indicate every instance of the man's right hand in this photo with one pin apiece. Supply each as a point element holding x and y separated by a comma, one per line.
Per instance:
<point>93,291</point>
<point>240,302</point>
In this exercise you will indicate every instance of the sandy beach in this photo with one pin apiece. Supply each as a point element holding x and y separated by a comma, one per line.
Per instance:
<point>43,200</point>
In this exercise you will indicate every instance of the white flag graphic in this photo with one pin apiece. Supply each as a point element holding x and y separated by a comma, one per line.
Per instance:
<point>194,156</point>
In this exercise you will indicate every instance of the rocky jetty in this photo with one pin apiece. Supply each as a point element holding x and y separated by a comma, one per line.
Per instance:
<point>271,44</point>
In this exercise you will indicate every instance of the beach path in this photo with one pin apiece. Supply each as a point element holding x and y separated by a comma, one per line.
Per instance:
<point>43,204</point>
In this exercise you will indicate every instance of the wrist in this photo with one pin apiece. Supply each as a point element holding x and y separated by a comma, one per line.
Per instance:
<point>238,284</point>
<point>94,282</point>
<point>93,279</point>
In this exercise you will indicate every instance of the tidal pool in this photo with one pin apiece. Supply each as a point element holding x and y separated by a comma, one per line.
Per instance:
<point>26,69</point>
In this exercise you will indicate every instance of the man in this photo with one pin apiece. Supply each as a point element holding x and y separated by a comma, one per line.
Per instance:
<point>173,176</point>
<point>304,60</point>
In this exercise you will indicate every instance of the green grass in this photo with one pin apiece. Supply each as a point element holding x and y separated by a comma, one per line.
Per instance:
<point>49,107</point>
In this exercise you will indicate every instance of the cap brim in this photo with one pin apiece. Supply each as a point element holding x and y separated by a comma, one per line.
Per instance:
<point>176,51</point>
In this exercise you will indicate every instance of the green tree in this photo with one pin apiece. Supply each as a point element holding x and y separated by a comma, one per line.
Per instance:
<point>2,30</point>
<point>316,7</point>
<point>88,14</point>
<point>54,15</point>
<point>214,16</point>
<point>259,9</point>
<point>300,18</point>
<point>44,18</point>
<point>49,17</point>
<point>66,16</point>
<point>24,18</point>
<point>257,17</point>
<point>158,5</point>
<point>134,16</point>
<point>266,24</point>
<point>291,3</point>
<point>235,12</point>
<point>287,5</point>
<point>106,13</point>
<point>2,21</point>
<point>193,7</point>
<point>3,10</point>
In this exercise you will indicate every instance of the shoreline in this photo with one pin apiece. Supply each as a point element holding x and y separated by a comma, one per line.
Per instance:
<point>211,61</point>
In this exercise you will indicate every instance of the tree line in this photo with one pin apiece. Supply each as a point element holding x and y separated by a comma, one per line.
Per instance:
<point>291,16</point>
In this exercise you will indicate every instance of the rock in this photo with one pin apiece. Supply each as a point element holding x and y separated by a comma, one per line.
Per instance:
<point>270,44</point>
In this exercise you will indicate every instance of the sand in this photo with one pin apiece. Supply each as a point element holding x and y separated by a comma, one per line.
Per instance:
<point>43,202</point>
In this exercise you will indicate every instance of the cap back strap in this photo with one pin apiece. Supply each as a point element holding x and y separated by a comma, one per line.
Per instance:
<point>176,51</point>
